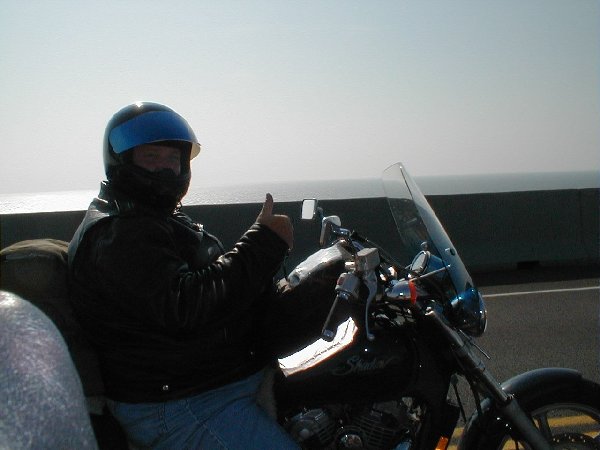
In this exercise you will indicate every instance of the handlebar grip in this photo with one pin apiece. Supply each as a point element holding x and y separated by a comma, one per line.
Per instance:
<point>332,321</point>
<point>347,287</point>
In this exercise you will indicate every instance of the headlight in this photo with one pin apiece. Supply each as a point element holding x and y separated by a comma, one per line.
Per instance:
<point>469,313</point>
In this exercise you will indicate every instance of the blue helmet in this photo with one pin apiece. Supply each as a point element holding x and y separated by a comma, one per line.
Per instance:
<point>144,123</point>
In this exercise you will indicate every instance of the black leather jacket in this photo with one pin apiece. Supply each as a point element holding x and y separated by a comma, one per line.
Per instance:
<point>169,312</point>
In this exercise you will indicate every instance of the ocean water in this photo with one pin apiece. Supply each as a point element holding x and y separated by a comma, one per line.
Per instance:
<point>322,189</point>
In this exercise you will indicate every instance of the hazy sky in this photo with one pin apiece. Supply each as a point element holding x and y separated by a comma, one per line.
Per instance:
<point>282,89</point>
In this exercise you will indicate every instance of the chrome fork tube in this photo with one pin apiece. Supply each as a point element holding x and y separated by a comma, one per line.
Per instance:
<point>506,402</point>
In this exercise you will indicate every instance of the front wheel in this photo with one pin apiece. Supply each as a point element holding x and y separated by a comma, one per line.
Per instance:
<point>568,416</point>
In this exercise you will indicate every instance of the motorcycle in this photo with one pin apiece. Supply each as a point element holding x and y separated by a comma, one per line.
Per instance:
<point>398,338</point>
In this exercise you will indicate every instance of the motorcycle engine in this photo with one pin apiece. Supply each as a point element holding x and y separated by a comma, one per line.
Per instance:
<point>314,428</point>
<point>376,426</point>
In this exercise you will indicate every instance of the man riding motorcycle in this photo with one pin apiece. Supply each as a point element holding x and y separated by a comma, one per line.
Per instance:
<point>175,319</point>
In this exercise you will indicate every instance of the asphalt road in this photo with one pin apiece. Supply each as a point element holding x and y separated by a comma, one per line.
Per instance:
<point>542,318</point>
<point>539,318</point>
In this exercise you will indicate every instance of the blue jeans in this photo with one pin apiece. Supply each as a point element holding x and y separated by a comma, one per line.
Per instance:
<point>224,418</point>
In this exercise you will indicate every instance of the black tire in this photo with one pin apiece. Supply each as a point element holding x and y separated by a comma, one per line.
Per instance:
<point>568,415</point>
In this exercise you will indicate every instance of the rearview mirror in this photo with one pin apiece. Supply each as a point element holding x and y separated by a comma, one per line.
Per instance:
<point>309,208</point>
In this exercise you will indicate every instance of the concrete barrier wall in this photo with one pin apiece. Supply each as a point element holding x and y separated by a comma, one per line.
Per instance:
<point>491,231</point>
<point>523,228</point>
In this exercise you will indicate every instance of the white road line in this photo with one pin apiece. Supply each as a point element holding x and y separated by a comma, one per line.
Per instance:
<point>548,291</point>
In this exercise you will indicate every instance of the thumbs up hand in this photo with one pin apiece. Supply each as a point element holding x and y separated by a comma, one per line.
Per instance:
<point>280,224</point>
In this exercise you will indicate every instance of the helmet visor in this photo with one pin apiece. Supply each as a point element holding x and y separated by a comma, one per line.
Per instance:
<point>153,126</point>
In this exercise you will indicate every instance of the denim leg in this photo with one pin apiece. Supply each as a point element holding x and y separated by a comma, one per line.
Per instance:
<point>232,420</point>
<point>226,418</point>
<point>143,423</point>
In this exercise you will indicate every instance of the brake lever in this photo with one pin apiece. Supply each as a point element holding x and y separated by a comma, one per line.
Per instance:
<point>370,280</point>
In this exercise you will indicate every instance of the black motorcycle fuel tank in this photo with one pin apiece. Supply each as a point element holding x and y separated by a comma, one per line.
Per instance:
<point>362,369</point>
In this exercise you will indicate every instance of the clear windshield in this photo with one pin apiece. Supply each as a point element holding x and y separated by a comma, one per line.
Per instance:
<point>418,226</point>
